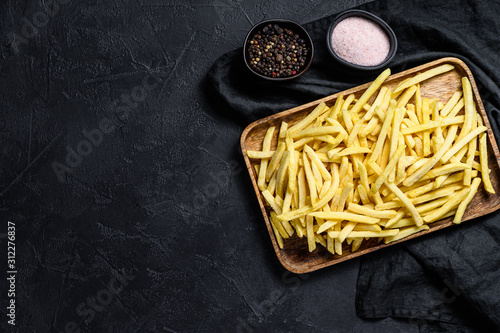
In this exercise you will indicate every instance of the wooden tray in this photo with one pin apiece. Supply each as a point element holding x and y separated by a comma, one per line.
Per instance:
<point>295,255</point>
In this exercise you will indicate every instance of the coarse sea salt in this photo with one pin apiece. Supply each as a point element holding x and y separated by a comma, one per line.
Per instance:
<point>360,41</point>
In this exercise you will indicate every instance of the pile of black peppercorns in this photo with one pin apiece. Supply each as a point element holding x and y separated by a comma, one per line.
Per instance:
<point>276,52</point>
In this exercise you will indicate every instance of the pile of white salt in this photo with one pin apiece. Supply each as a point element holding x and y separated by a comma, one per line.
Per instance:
<point>360,41</point>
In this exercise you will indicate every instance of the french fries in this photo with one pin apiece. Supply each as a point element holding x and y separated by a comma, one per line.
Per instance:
<point>353,173</point>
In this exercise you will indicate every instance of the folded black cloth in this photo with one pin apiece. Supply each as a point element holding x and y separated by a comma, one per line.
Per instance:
<point>446,281</point>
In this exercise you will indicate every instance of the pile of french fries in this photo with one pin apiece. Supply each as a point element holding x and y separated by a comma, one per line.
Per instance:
<point>354,171</point>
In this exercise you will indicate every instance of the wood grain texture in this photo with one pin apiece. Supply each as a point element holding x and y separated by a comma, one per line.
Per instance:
<point>295,255</point>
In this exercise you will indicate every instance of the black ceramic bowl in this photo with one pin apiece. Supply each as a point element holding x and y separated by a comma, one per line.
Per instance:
<point>387,29</point>
<point>285,24</point>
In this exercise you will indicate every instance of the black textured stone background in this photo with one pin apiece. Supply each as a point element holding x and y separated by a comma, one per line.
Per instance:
<point>157,228</point>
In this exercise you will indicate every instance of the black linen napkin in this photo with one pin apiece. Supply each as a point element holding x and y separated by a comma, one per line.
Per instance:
<point>446,281</point>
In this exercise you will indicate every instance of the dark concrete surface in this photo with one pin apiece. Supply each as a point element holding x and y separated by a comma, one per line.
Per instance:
<point>132,208</point>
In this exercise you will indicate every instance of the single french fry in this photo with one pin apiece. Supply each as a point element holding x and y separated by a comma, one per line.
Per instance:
<point>377,198</point>
<point>330,244</point>
<point>353,135</point>
<point>395,138</point>
<point>281,174</point>
<point>335,109</point>
<point>271,201</point>
<point>317,177</point>
<point>316,131</point>
<point>294,214</point>
<point>292,162</point>
<point>318,110</point>
<point>328,139</point>
<point>469,109</point>
<point>430,205</point>
<point>382,214</point>
<point>311,182</point>
<point>385,156</point>
<point>255,154</point>
<point>404,222</point>
<point>410,111</point>
<point>271,186</point>
<point>424,76</point>
<point>266,146</point>
<point>283,130</point>
<point>421,128</point>
<point>311,240</point>
<point>300,143</point>
<point>438,131</point>
<point>383,233</point>
<point>383,132</point>
<point>363,194</point>
<point>463,205</point>
<point>483,157</point>
<point>451,103</point>
<point>405,233</point>
<point>420,190</point>
<point>338,243</point>
<point>320,239</point>
<point>299,229</point>
<point>335,200</point>
<point>344,166</point>
<point>367,227</point>
<point>400,170</point>
<point>347,118</point>
<point>379,101</point>
<point>427,133</point>
<point>419,147</point>
<point>356,243</point>
<point>399,215</point>
<point>324,189</point>
<point>371,89</point>
<point>365,132</point>
<point>363,176</point>
<point>287,201</point>
<point>347,102</point>
<point>417,165</point>
<point>346,231</point>
<point>407,95</point>
<point>471,154</point>
<point>456,120</point>
<point>418,104</point>
<point>377,129</point>
<point>350,151</point>
<point>278,237</point>
<point>325,226</point>
<point>345,216</point>
<point>315,159</point>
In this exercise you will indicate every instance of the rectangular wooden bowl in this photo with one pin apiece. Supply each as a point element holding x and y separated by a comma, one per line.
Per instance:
<point>295,255</point>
